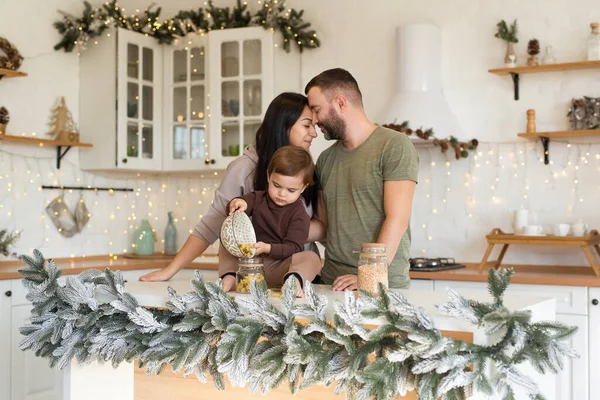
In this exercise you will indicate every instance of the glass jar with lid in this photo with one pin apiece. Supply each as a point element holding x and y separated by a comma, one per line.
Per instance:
<point>593,42</point>
<point>249,269</point>
<point>372,267</point>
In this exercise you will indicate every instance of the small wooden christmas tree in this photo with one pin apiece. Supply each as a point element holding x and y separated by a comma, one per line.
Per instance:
<point>62,124</point>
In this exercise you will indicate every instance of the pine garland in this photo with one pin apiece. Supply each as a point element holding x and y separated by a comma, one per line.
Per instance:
<point>7,238</point>
<point>273,15</point>
<point>461,149</point>
<point>250,341</point>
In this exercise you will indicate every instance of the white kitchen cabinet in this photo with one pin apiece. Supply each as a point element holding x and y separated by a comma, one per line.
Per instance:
<point>185,111</point>
<point>5,346</point>
<point>573,381</point>
<point>421,284</point>
<point>189,106</point>
<point>572,309</point>
<point>31,377</point>
<point>569,299</point>
<point>594,343</point>
<point>240,69</point>
<point>121,102</point>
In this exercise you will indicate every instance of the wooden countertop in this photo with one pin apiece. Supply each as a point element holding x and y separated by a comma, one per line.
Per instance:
<point>530,274</point>
<point>73,266</point>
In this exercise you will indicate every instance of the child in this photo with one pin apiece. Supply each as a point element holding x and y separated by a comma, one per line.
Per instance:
<point>280,222</point>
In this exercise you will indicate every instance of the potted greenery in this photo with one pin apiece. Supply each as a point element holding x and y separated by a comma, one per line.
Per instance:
<point>509,35</point>
<point>7,239</point>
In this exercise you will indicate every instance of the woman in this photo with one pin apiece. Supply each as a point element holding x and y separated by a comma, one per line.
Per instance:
<point>288,121</point>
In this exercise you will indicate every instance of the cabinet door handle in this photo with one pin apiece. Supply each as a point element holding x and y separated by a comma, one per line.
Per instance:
<point>595,302</point>
<point>212,161</point>
<point>207,161</point>
<point>124,161</point>
<point>8,293</point>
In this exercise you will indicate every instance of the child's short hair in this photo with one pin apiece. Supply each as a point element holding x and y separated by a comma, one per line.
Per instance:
<point>291,161</point>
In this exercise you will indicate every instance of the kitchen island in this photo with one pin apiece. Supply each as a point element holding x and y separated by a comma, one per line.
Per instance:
<point>128,383</point>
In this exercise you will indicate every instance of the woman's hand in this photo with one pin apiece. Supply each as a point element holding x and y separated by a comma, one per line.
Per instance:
<point>262,248</point>
<point>229,283</point>
<point>158,276</point>
<point>237,205</point>
<point>345,282</point>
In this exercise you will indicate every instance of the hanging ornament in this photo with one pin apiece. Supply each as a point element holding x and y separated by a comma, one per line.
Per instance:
<point>82,215</point>
<point>62,217</point>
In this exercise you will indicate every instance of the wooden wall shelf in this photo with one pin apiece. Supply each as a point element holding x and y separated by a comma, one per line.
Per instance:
<point>546,136</point>
<point>59,144</point>
<point>516,71</point>
<point>9,73</point>
<point>547,68</point>
<point>496,236</point>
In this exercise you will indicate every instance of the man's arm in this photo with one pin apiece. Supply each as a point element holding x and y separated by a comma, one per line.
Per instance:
<point>397,203</point>
<point>318,223</point>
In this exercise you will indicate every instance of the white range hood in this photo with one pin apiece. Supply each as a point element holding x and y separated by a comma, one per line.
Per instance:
<point>419,97</point>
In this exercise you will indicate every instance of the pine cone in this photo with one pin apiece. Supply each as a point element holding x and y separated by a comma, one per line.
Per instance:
<point>4,117</point>
<point>533,48</point>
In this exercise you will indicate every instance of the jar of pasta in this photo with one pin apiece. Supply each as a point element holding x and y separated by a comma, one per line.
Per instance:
<point>372,267</point>
<point>249,269</point>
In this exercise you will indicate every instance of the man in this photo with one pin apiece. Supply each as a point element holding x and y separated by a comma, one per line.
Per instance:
<point>367,181</point>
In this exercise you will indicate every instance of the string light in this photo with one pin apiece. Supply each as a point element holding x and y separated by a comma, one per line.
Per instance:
<point>33,172</point>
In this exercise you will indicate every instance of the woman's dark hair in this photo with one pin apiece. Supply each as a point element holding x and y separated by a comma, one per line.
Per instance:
<point>274,133</point>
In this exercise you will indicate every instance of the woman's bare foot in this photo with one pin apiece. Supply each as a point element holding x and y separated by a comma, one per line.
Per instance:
<point>229,283</point>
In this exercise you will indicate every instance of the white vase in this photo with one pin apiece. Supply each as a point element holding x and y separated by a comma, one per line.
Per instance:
<point>520,220</point>
<point>510,58</point>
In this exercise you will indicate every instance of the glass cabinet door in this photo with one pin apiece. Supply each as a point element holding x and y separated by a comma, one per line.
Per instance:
<point>241,81</point>
<point>186,104</point>
<point>241,92</point>
<point>138,102</point>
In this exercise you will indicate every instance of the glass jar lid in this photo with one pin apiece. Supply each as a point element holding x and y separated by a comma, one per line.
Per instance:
<point>372,249</point>
<point>250,261</point>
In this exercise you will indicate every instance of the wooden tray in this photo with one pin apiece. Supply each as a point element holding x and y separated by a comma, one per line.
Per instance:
<point>496,236</point>
<point>586,243</point>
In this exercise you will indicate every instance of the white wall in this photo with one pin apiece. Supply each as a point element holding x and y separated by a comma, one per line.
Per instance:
<point>360,37</point>
<point>23,169</point>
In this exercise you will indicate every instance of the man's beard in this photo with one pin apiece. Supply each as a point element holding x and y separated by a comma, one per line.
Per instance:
<point>333,128</point>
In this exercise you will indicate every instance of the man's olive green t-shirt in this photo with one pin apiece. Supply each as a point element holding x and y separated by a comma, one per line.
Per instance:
<point>352,185</point>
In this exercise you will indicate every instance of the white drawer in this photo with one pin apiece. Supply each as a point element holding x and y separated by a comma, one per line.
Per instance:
<point>18,290</point>
<point>421,284</point>
<point>569,299</point>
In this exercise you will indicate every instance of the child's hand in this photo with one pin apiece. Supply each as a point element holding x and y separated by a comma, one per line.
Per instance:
<point>262,248</point>
<point>237,205</point>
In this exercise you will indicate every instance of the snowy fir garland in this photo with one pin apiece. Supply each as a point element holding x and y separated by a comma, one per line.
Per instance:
<point>251,342</point>
<point>272,14</point>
